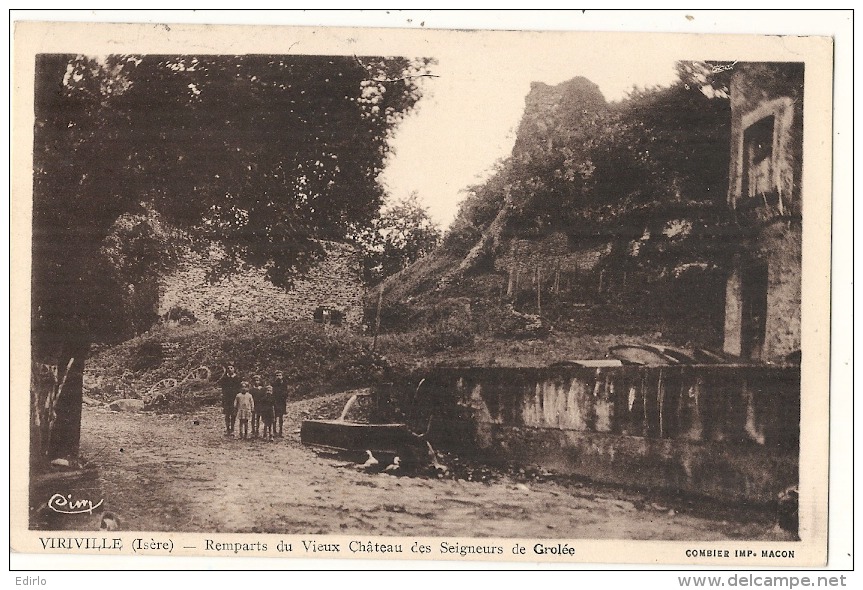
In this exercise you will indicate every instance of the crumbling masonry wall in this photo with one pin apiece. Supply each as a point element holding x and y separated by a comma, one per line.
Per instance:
<point>760,90</point>
<point>780,244</point>
<point>335,282</point>
<point>768,92</point>
<point>551,254</point>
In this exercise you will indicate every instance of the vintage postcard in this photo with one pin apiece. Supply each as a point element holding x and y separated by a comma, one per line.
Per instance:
<point>420,295</point>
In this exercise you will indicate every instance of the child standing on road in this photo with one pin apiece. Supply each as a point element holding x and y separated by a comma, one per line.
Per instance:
<point>230,383</point>
<point>280,399</point>
<point>257,395</point>
<point>266,412</point>
<point>244,404</point>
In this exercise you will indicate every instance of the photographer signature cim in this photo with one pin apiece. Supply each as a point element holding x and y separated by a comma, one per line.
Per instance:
<point>66,505</point>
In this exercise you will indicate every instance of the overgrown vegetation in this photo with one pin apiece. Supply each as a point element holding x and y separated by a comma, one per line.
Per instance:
<point>314,359</point>
<point>636,188</point>
<point>591,169</point>
<point>402,234</point>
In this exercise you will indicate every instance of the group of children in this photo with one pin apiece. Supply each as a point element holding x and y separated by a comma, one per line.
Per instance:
<point>255,403</point>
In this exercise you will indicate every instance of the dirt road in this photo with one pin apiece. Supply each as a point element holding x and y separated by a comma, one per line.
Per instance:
<point>181,473</point>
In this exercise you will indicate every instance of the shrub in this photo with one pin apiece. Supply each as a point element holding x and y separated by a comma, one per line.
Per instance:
<point>396,316</point>
<point>148,355</point>
<point>454,332</point>
<point>181,315</point>
<point>506,323</point>
<point>461,237</point>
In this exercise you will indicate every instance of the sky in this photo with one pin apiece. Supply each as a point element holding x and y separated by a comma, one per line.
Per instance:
<point>467,118</point>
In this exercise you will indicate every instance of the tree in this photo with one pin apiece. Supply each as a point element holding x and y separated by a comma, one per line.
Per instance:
<point>712,78</point>
<point>139,249</point>
<point>262,154</point>
<point>402,234</point>
<point>481,204</point>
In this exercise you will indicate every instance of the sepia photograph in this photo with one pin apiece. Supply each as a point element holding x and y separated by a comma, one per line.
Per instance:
<point>423,294</point>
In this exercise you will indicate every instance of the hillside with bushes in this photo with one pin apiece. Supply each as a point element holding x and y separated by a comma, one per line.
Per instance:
<point>182,363</point>
<point>608,222</point>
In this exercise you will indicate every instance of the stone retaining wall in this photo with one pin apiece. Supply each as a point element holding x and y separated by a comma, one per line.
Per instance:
<point>335,282</point>
<point>728,432</point>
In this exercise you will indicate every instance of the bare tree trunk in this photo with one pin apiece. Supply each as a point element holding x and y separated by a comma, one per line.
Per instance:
<point>660,401</point>
<point>516,282</point>
<point>56,394</point>
<point>487,243</point>
<point>43,387</point>
<point>378,317</point>
<point>538,291</point>
<point>557,278</point>
<point>65,436</point>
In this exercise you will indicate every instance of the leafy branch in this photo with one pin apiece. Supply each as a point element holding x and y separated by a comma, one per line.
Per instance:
<point>400,79</point>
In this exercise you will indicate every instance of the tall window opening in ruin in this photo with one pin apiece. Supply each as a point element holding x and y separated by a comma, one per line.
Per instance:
<point>758,157</point>
<point>754,308</point>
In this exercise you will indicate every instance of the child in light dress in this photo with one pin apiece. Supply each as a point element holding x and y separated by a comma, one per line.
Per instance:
<point>244,404</point>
